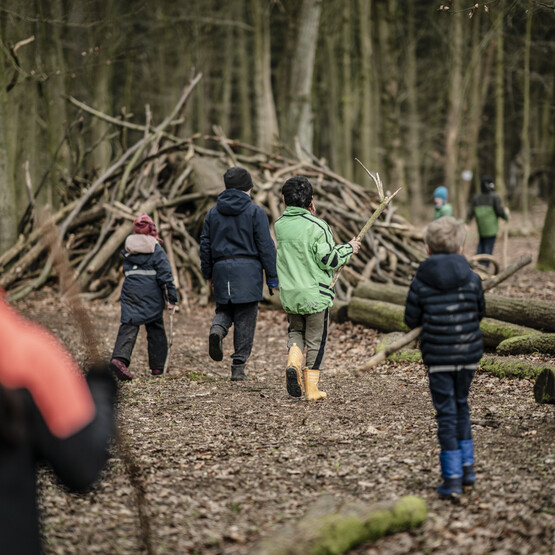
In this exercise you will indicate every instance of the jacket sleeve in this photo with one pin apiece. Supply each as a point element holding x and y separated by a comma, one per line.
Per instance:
<point>328,255</point>
<point>206,262</point>
<point>413,311</point>
<point>265,246</point>
<point>79,459</point>
<point>498,207</point>
<point>481,299</point>
<point>164,274</point>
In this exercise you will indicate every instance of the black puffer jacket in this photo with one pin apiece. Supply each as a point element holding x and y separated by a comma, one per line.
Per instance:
<point>446,298</point>
<point>235,246</point>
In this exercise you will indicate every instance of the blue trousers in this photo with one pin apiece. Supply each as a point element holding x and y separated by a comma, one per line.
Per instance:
<point>450,398</point>
<point>485,245</point>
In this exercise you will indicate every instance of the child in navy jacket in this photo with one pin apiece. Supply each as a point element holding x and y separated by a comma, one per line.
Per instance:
<point>236,249</point>
<point>446,298</point>
<point>147,288</point>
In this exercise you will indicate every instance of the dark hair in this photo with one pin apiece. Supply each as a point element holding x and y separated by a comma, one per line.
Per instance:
<point>487,184</point>
<point>297,191</point>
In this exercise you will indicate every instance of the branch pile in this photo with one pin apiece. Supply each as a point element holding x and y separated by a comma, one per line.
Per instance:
<point>176,181</point>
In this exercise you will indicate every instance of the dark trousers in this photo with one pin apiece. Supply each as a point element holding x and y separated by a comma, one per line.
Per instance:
<point>450,398</point>
<point>243,316</point>
<point>156,338</point>
<point>485,245</point>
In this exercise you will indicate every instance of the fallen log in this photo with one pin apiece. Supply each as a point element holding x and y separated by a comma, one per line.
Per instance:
<point>528,344</point>
<point>330,528</point>
<point>381,316</point>
<point>544,388</point>
<point>389,317</point>
<point>494,332</point>
<point>539,315</point>
<point>499,366</point>
<point>510,367</point>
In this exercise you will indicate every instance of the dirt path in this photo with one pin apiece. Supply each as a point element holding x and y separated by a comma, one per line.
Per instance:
<point>223,463</point>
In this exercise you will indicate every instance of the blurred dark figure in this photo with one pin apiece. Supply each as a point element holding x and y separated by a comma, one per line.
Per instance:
<point>49,413</point>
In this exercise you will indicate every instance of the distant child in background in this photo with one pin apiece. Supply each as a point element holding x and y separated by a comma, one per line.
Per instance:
<point>147,288</point>
<point>236,249</point>
<point>487,208</point>
<point>307,257</point>
<point>441,206</point>
<point>447,300</point>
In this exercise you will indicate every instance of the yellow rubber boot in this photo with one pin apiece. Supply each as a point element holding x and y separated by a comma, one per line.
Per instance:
<point>311,378</point>
<point>293,380</point>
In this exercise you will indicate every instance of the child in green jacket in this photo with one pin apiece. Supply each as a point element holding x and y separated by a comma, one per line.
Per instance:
<point>307,257</point>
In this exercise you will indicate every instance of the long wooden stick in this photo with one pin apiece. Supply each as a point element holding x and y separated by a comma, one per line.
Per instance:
<point>415,333</point>
<point>384,202</point>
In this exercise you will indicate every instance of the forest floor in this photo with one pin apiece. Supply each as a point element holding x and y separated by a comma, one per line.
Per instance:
<point>222,464</point>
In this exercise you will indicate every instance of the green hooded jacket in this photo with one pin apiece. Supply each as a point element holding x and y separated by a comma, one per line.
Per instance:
<point>306,259</point>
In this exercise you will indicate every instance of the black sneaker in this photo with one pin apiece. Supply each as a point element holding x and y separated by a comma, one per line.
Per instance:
<point>215,346</point>
<point>292,383</point>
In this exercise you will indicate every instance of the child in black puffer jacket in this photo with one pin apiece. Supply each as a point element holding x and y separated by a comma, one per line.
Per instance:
<point>147,288</point>
<point>446,298</point>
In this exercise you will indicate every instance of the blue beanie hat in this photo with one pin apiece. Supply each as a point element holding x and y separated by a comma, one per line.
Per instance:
<point>440,192</point>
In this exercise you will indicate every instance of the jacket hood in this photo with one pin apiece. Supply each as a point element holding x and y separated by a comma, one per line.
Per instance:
<point>444,271</point>
<point>140,244</point>
<point>233,201</point>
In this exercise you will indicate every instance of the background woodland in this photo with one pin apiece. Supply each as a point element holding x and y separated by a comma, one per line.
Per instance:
<point>419,91</point>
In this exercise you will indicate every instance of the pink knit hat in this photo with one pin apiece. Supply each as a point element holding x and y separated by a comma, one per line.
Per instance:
<point>143,225</point>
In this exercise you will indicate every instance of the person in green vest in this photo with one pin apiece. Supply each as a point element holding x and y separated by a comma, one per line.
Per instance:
<point>307,258</point>
<point>441,206</point>
<point>487,208</point>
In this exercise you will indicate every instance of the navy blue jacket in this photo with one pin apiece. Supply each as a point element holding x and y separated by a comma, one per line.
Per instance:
<point>235,246</point>
<point>147,285</point>
<point>446,298</point>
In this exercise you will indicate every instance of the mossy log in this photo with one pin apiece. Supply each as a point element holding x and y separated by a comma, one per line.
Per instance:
<point>511,367</point>
<point>539,315</point>
<point>388,317</point>
<point>528,344</point>
<point>410,353</point>
<point>495,332</point>
<point>378,315</point>
<point>330,529</point>
<point>544,388</point>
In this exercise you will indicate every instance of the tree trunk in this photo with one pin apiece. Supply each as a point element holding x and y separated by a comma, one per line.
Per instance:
<point>455,92</point>
<point>394,159</point>
<point>500,103</point>
<point>544,388</point>
<point>414,180</point>
<point>299,119</point>
<point>331,528</point>
<point>8,211</point>
<point>347,94</point>
<point>525,136</point>
<point>265,111</point>
<point>244,81</point>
